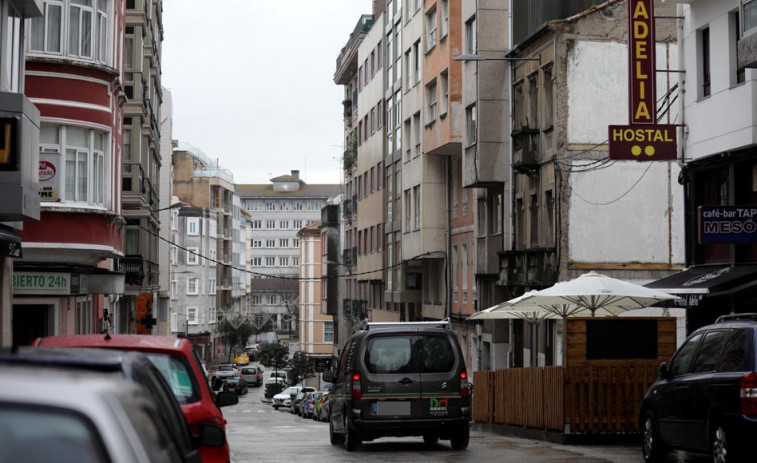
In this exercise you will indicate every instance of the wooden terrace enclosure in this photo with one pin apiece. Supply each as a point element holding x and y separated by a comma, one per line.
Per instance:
<point>609,364</point>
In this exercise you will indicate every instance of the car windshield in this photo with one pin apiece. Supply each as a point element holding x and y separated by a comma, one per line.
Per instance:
<point>248,371</point>
<point>409,354</point>
<point>42,434</point>
<point>226,367</point>
<point>290,391</point>
<point>178,373</point>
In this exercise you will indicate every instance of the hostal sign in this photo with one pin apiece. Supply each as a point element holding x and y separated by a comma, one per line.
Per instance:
<point>644,139</point>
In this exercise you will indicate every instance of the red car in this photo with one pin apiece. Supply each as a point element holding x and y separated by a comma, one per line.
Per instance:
<point>176,359</point>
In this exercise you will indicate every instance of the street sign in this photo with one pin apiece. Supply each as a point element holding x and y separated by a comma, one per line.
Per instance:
<point>727,224</point>
<point>643,142</point>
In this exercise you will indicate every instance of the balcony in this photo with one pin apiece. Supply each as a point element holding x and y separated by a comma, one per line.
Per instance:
<point>746,55</point>
<point>526,150</point>
<point>533,268</point>
<point>133,270</point>
<point>347,59</point>
<point>347,208</point>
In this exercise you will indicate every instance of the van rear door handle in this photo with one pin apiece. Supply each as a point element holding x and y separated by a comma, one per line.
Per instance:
<point>406,381</point>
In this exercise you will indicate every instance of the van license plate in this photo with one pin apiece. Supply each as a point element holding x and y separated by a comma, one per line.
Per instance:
<point>391,408</point>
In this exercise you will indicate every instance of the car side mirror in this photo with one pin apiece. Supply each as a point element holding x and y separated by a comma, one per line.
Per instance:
<point>224,398</point>
<point>664,370</point>
<point>328,376</point>
<point>211,436</point>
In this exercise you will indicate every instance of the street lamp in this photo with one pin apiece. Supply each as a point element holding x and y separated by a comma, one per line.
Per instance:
<point>473,57</point>
<point>173,206</point>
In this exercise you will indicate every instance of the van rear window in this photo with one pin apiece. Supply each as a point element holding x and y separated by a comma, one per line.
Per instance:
<point>409,354</point>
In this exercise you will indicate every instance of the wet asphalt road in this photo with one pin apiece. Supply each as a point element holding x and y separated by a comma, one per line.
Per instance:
<point>258,433</point>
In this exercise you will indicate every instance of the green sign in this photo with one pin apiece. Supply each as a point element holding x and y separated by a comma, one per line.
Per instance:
<point>36,283</point>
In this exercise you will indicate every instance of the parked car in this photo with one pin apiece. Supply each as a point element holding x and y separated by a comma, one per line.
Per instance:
<point>226,370</point>
<point>308,409</point>
<point>236,385</point>
<point>42,420</point>
<point>180,366</point>
<point>400,379</point>
<point>275,383</point>
<point>284,398</point>
<point>280,374</point>
<point>252,375</point>
<point>241,359</point>
<point>297,399</point>
<point>322,407</point>
<point>705,399</point>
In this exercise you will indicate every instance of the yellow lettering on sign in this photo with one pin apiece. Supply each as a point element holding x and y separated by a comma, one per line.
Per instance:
<point>641,50</point>
<point>642,111</point>
<point>640,30</point>
<point>639,74</point>
<point>641,135</point>
<point>640,11</point>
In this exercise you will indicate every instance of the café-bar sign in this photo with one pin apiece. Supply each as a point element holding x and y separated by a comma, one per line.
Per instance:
<point>643,139</point>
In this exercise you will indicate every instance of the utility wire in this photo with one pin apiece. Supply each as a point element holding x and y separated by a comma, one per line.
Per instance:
<point>281,277</point>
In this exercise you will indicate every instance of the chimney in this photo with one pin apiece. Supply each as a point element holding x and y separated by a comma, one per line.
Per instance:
<point>296,174</point>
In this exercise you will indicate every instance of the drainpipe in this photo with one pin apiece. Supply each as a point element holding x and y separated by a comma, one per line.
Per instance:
<point>448,252</point>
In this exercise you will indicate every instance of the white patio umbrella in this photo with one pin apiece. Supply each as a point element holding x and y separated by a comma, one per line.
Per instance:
<point>592,292</point>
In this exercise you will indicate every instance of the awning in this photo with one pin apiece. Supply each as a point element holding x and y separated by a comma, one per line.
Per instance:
<point>695,283</point>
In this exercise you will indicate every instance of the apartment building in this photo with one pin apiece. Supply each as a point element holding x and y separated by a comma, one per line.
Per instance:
<point>486,160</point>
<point>19,165</point>
<point>574,209</point>
<point>143,37</point>
<point>316,327</point>
<point>206,185</point>
<point>718,159</point>
<point>278,210</point>
<point>164,307</point>
<point>70,277</point>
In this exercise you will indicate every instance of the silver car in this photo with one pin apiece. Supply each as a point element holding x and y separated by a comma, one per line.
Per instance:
<point>52,414</point>
<point>252,375</point>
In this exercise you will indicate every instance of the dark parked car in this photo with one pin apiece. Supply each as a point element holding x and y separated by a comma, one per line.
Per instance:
<point>400,379</point>
<point>165,415</point>
<point>297,400</point>
<point>237,385</point>
<point>705,399</point>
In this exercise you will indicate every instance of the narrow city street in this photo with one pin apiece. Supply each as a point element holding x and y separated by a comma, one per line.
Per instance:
<point>257,432</point>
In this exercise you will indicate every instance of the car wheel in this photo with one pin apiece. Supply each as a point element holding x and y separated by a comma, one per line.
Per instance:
<point>653,449</point>
<point>335,438</point>
<point>275,407</point>
<point>460,440</point>
<point>430,439</point>
<point>724,449</point>
<point>351,438</point>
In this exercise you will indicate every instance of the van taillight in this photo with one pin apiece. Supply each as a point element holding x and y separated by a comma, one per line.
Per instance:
<point>748,394</point>
<point>357,388</point>
<point>464,390</point>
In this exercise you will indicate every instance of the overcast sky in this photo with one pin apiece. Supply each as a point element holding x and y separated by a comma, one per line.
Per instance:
<point>252,83</point>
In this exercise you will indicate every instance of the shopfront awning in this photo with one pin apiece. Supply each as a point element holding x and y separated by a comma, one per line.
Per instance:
<point>697,282</point>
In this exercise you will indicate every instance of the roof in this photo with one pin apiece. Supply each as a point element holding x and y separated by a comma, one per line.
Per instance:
<point>252,191</point>
<point>274,284</point>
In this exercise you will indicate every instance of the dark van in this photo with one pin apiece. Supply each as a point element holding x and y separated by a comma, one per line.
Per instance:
<point>400,379</point>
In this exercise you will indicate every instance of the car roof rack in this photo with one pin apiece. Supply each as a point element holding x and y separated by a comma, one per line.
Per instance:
<point>736,317</point>
<point>366,325</point>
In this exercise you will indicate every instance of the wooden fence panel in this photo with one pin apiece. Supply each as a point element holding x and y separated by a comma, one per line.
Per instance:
<point>483,396</point>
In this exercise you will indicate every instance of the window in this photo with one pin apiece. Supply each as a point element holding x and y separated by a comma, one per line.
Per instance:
<point>408,146</point>
<point>398,55</point>
<point>379,115</point>
<point>192,256</point>
<point>257,243</point>
<point>295,261</point>
<point>85,21</point>
<point>256,261</point>
<point>193,226</point>
<point>444,82</point>
<point>270,243</point>
<point>192,315</point>
<point>534,216</point>
<point>431,102</point>
<point>297,206</point>
<point>497,214</point>
<point>471,127</point>
<point>705,62</point>
<point>707,356</point>
<point>328,331</point>
<point>295,242</point>
<point>211,286</point>
<point>84,160</point>
<point>297,224</point>
<point>430,29</point>
<point>284,261</point>
<point>533,101</point>
<point>471,37</point>
<point>444,7</point>
<point>213,257</point>
<point>681,362</point>
<point>270,261</point>
<point>549,212</point>
<point>417,206</point>
<point>192,286</point>
<point>314,206</point>
<point>256,224</point>
<point>257,299</point>
<point>749,12</point>
<point>174,289</point>
<point>270,224</point>
<point>737,75</point>
<point>734,356</point>
<point>389,59</point>
<point>283,242</point>
<point>271,206</point>
<point>213,228</point>
<point>408,218</point>
<point>518,120</point>
<point>409,78</point>
<point>272,299</point>
<point>547,85</point>
<point>481,218</point>
<point>417,61</point>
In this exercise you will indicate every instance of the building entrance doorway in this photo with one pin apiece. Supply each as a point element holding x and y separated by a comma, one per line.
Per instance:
<point>32,321</point>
